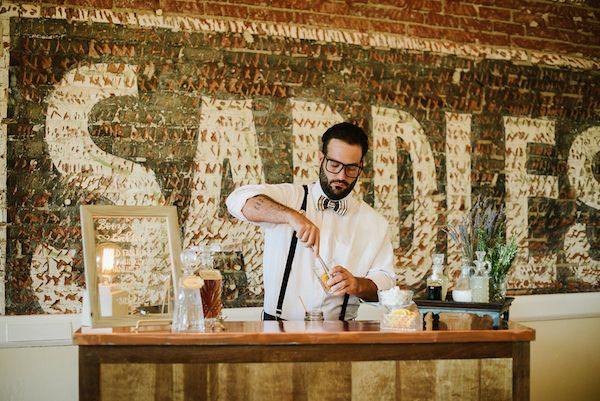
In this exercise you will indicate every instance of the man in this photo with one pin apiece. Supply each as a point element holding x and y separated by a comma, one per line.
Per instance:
<point>330,222</point>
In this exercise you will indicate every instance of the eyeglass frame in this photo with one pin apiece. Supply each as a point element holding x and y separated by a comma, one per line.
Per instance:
<point>342,167</point>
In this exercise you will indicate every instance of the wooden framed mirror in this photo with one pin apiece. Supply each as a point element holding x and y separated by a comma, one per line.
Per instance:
<point>131,258</point>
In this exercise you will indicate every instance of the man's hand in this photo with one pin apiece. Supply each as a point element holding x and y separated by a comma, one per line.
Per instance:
<point>305,229</point>
<point>261,208</point>
<point>343,282</point>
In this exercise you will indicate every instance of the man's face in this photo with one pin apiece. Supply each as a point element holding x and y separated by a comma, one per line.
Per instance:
<point>339,185</point>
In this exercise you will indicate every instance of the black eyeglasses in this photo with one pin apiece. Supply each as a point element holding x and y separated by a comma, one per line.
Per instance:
<point>334,167</point>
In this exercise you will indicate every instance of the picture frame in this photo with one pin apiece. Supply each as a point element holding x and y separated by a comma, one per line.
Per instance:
<point>131,260</point>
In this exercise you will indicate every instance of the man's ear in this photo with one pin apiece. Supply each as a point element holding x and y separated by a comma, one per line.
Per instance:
<point>321,157</point>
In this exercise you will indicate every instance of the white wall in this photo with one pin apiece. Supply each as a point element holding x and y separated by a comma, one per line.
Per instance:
<point>38,362</point>
<point>565,360</point>
<point>46,373</point>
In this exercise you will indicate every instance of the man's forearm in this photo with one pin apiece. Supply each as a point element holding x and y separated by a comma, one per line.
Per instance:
<point>367,289</point>
<point>263,209</point>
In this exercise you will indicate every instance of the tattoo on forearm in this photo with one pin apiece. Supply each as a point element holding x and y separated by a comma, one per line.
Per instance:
<point>263,202</point>
<point>259,202</point>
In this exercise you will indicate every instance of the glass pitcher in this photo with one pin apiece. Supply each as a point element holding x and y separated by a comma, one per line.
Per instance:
<point>480,280</point>
<point>188,314</point>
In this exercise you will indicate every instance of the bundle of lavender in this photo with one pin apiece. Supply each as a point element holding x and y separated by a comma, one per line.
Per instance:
<point>483,229</point>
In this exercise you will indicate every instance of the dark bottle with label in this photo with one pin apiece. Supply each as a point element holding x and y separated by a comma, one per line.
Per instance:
<point>434,292</point>
<point>437,283</point>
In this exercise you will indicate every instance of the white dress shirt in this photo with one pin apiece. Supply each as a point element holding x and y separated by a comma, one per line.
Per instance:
<point>357,241</point>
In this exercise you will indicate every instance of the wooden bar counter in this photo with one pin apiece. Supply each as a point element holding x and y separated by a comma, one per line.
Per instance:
<point>303,361</point>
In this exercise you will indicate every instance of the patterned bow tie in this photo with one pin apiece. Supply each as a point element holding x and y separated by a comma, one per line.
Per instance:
<point>338,206</point>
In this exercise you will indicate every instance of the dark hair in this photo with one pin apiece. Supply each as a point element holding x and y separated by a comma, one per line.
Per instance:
<point>349,133</point>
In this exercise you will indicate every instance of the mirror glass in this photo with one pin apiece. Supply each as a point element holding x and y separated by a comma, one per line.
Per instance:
<point>131,261</point>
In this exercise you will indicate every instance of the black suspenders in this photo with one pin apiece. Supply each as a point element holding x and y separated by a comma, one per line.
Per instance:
<point>344,306</point>
<point>288,269</point>
<point>290,259</point>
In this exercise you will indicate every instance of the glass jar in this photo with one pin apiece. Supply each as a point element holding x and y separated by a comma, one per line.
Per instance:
<point>498,287</point>
<point>314,315</point>
<point>401,312</point>
<point>212,291</point>
<point>462,288</point>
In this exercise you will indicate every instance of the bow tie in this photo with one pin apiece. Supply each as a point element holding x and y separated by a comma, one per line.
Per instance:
<point>338,206</point>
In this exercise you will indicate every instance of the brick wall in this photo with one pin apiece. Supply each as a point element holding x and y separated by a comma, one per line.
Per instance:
<point>127,102</point>
<point>562,26</point>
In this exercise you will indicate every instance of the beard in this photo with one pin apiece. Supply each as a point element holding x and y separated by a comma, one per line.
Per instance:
<point>330,190</point>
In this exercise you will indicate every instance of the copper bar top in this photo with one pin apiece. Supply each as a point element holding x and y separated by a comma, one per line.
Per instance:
<point>294,332</point>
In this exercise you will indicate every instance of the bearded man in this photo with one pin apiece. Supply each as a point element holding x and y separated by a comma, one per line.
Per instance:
<point>347,254</point>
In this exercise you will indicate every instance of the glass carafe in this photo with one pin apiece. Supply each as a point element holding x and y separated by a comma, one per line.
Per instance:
<point>480,280</point>
<point>188,314</point>
<point>462,288</point>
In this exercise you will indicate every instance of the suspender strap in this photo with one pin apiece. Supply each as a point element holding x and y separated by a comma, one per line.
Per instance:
<point>288,263</point>
<point>344,306</point>
<point>266,316</point>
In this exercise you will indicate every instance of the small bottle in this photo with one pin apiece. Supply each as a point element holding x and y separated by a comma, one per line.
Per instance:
<point>437,283</point>
<point>188,314</point>
<point>462,288</point>
<point>480,280</point>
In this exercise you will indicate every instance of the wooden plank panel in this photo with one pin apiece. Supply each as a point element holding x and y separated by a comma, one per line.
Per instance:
<point>231,382</point>
<point>299,382</point>
<point>327,381</point>
<point>496,379</point>
<point>302,353</point>
<point>134,382</point>
<point>89,374</point>
<point>178,382</point>
<point>457,380</point>
<point>490,379</point>
<point>195,381</point>
<point>374,381</point>
<point>163,383</point>
<point>415,380</point>
<point>272,381</point>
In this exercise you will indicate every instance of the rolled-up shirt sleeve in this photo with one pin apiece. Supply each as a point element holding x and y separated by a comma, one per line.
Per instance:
<point>237,199</point>
<point>280,193</point>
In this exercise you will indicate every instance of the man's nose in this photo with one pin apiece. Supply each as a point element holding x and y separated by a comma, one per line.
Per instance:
<point>342,175</point>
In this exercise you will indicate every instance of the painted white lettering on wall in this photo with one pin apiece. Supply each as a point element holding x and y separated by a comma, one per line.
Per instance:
<point>75,155</point>
<point>520,186</point>
<point>82,164</point>
<point>581,177</point>
<point>458,176</point>
<point>226,132</point>
<point>581,158</point>
<point>389,125</point>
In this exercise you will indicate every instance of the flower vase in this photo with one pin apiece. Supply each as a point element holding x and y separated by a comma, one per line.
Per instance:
<point>498,286</point>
